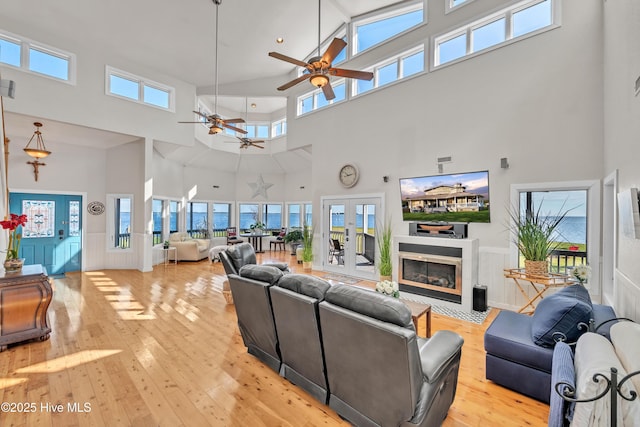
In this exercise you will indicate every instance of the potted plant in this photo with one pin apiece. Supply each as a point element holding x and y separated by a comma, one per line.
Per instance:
<point>383,238</point>
<point>307,247</point>
<point>257,226</point>
<point>166,244</point>
<point>293,237</point>
<point>535,235</point>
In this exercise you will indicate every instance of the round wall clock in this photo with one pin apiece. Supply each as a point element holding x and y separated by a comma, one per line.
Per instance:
<point>349,175</point>
<point>95,208</point>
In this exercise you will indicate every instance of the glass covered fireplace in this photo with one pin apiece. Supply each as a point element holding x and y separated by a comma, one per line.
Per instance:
<point>433,274</point>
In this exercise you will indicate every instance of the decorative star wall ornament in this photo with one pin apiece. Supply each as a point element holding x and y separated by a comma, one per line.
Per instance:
<point>260,187</point>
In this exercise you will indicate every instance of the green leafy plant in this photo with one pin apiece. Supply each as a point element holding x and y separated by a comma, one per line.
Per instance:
<point>383,238</point>
<point>307,243</point>
<point>258,225</point>
<point>534,234</point>
<point>293,236</point>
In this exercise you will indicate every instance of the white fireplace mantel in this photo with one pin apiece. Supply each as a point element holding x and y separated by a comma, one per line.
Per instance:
<point>469,267</point>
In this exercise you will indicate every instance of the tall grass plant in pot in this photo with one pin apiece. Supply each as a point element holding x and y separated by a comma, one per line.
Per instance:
<point>383,238</point>
<point>307,247</point>
<point>536,236</point>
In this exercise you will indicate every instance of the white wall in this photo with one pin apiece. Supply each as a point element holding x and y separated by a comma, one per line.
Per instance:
<point>531,102</point>
<point>621,132</point>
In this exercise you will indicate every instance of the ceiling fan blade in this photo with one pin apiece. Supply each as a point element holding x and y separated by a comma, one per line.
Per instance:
<point>333,50</point>
<point>233,120</point>
<point>242,131</point>
<point>288,59</point>
<point>328,92</point>
<point>258,146</point>
<point>352,74</point>
<point>294,82</point>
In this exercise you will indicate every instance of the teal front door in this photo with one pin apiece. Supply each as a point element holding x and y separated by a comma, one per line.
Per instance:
<point>53,233</point>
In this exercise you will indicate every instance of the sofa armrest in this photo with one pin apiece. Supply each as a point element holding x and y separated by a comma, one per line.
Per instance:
<point>437,352</point>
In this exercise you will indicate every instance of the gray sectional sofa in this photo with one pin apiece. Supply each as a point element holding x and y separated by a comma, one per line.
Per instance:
<point>352,348</point>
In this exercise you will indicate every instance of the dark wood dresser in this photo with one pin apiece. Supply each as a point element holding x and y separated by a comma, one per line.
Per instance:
<point>24,300</point>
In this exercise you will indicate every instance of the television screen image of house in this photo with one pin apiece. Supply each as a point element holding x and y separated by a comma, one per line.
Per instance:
<point>456,197</point>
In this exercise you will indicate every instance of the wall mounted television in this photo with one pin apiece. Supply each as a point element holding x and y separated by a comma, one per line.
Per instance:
<point>456,197</point>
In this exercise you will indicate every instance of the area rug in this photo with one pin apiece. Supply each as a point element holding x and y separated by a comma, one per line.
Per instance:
<point>473,317</point>
<point>341,279</point>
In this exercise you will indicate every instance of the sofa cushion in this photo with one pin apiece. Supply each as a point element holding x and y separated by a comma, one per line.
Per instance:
<point>305,284</point>
<point>559,315</point>
<point>262,273</point>
<point>625,337</point>
<point>562,372</point>
<point>509,338</point>
<point>370,303</point>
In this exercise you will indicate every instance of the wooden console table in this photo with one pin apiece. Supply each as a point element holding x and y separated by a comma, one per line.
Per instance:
<point>540,283</point>
<point>24,299</point>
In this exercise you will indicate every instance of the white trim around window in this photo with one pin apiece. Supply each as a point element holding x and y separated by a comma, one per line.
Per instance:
<point>144,92</point>
<point>508,15</point>
<point>29,65</point>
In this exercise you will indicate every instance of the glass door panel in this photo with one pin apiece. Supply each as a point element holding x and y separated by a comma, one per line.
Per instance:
<point>349,231</point>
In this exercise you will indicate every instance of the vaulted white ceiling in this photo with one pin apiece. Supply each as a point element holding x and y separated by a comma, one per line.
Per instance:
<point>177,38</point>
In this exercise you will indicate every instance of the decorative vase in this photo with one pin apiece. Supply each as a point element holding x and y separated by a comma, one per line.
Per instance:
<point>536,267</point>
<point>383,278</point>
<point>13,265</point>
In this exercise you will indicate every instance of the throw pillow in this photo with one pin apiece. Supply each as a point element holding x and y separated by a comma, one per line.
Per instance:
<point>558,316</point>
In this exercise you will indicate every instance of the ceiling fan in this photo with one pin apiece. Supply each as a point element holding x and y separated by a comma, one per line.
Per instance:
<point>247,142</point>
<point>217,122</point>
<point>244,141</point>
<point>319,68</point>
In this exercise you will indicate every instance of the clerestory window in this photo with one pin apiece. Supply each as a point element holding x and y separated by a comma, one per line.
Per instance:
<point>138,89</point>
<point>374,29</point>
<point>520,20</point>
<point>396,68</point>
<point>34,57</point>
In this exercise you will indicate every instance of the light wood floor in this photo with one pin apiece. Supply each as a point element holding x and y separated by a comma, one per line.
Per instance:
<point>163,348</point>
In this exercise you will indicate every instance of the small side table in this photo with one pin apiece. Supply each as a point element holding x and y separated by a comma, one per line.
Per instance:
<point>419,310</point>
<point>541,283</point>
<point>166,251</point>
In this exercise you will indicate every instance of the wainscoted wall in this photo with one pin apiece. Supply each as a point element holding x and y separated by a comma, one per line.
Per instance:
<point>627,297</point>
<point>97,258</point>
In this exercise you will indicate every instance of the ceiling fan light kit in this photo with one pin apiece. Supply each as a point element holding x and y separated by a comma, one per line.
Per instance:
<point>319,80</point>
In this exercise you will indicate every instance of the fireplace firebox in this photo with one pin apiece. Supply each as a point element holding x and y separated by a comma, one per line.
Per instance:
<point>437,275</point>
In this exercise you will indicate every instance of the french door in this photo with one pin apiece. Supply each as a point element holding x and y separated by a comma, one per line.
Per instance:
<point>53,233</point>
<point>349,236</point>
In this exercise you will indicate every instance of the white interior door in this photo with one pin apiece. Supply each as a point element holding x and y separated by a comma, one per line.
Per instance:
<point>349,242</point>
